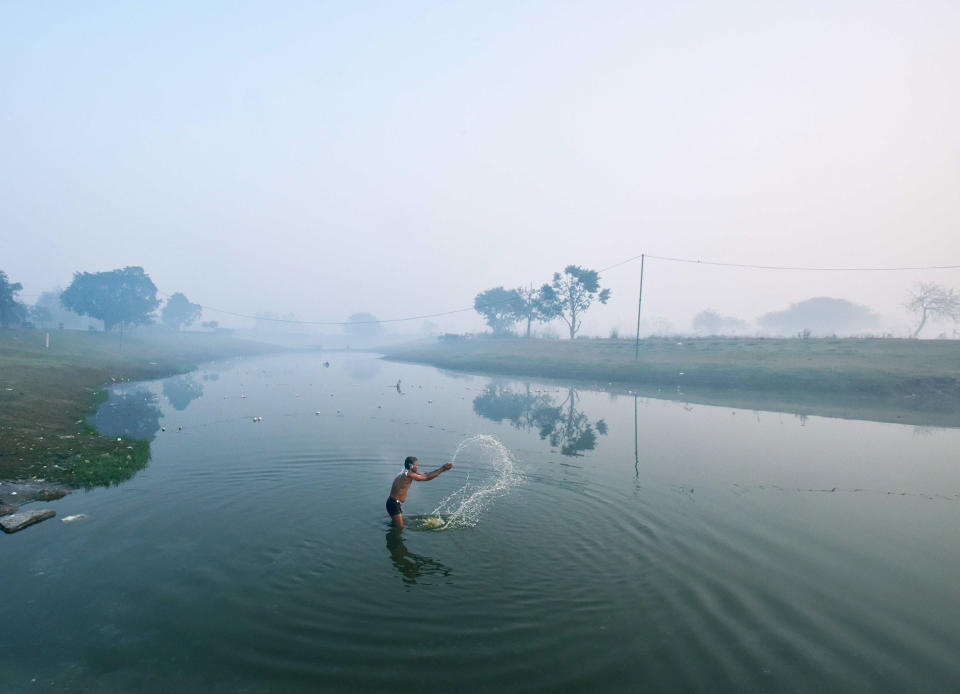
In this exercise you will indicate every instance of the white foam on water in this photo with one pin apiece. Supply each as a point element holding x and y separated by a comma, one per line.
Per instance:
<point>489,462</point>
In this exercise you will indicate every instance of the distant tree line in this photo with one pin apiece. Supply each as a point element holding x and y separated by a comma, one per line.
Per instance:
<point>825,316</point>
<point>118,298</point>
<point>128,297</point>
<point>567,297</point>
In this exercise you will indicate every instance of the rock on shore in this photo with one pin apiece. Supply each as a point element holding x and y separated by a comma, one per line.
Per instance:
<point>22,519</point>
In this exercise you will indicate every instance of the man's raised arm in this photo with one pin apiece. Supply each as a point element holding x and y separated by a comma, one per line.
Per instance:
<point>430,475</point>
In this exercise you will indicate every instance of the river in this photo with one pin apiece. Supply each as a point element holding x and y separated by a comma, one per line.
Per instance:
<point>584,541</point>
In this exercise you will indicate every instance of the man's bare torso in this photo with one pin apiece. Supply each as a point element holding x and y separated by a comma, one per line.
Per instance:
<point>400,487</point>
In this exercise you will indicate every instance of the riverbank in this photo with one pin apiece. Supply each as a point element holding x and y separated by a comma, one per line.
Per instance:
<point>907,381</point>
<point>46,394</point>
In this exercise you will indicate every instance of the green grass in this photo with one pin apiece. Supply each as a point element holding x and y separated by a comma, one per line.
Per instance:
<point>886,379</point>
<point>47,393</point>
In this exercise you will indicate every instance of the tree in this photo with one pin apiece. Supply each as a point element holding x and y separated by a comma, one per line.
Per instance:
<point>498,307</point>
<point>820,315</point>
<point>530,306</point>
<point>178,312</point>
<point>932,300</point>
<point>572,293</point>
<point>710,322</point>
<point>363,326</point>
<point>126,296</point>
<point>12,311</point>
<point>59,315</point>
<point>40,315</point>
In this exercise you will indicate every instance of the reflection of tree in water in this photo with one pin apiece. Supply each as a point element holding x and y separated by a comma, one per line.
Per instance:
<point>362,369</point>
<point>182,390</point>
<point>132,413</point>
<point>412,566</point>
<point>522,409</point>
<point>126,422</point>
<point>563,425</point>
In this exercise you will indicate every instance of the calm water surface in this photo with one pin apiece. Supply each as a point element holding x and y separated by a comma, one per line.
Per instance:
<point>636,545</point>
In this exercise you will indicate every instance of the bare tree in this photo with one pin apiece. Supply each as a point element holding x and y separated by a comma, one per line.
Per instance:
<point>932,300</point>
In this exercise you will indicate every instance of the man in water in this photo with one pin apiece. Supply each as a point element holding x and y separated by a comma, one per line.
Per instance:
<point>401,485</point>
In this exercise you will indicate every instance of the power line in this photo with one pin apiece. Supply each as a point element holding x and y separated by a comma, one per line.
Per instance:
<point>622,262</point>
<point>697,261</point>
<point>366,322</point>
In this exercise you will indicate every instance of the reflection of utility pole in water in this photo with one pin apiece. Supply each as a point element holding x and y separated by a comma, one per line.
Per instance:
<point>636,439</point>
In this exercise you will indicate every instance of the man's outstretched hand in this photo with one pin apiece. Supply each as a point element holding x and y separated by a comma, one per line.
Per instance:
<point>447,466</point>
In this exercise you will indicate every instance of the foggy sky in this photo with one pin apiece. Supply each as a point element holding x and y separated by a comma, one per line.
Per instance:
<point>399,158</point>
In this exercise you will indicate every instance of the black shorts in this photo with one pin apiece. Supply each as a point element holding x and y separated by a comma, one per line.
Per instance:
<point>393,507</point>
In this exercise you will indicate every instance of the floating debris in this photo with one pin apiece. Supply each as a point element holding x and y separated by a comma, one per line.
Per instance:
<point>71,519</point>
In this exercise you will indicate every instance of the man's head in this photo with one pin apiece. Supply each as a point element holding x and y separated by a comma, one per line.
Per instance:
<point>410,463</point>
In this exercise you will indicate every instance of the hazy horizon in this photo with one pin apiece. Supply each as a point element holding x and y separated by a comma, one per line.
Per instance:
<point>399,159</point>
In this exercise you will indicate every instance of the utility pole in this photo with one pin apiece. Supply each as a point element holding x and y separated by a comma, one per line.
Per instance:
<point>636,351</point>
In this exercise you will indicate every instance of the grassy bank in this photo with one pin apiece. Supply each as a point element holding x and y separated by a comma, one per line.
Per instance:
<point>47,393</point>
<point>915,381</point>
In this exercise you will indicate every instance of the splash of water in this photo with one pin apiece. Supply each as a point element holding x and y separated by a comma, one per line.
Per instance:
<point>494,473</point>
